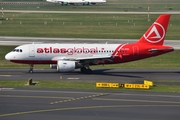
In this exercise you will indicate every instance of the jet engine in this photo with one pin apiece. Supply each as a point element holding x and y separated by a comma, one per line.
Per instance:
<point>66,66</point>
<point>86,3</point>
<point>64,3</point>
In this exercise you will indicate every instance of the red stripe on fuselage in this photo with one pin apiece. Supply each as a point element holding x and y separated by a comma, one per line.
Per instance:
<point>47,62</point>
<point>115,53</point>
<point>116,50</point>
<point>35,61</point>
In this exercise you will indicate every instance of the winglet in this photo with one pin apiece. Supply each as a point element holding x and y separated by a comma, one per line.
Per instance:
<point>157,31</point>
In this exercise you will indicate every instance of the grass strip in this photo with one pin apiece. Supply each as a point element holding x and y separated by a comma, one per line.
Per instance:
<point>82,85</point>
<point>82,25</point>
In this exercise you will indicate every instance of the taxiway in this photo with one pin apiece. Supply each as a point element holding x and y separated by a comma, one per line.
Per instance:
<point>58,104</point>
<point>158,76</point>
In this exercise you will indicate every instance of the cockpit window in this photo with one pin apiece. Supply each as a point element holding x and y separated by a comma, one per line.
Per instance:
<point>17,50</point>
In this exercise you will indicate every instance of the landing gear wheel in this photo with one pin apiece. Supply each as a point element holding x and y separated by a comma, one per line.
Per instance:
<point>85,70</point>
<point>31,69</point>
<point>89,71</point>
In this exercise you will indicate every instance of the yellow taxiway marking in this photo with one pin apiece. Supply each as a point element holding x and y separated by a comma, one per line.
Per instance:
<point>80,98</point>
<point>79,108</point>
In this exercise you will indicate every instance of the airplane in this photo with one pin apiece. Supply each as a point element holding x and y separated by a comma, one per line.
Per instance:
<point>73,2</point>
<point>68,57</point>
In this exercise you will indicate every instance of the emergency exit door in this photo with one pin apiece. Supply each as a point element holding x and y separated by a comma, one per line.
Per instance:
<point>31,51</point>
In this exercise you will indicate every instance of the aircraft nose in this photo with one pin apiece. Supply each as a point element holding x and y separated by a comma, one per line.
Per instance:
<point>7,57</point>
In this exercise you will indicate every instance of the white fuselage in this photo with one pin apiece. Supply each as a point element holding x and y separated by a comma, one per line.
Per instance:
<point>50,52</point>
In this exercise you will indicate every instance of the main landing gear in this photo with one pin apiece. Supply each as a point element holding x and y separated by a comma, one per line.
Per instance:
<point>31,68</point>
<point>86,70</point>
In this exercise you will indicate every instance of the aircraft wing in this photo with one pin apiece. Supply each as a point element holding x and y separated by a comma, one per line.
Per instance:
<point>85,57</point>
<point>95,57</point>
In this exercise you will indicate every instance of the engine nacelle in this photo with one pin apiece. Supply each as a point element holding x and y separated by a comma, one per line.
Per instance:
<point>64,3</point>
<point>86,3</point>
<point>53,66</point>
<point>66,66</point>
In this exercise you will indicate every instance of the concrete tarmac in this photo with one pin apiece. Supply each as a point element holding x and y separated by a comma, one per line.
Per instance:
<point>59,104</point>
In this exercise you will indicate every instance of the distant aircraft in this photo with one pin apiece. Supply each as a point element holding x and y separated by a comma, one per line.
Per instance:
<point>68,57</point>
<point>73,2</point>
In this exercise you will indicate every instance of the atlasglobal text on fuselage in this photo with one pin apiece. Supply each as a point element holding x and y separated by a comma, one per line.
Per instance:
<point>68,57</point>
<point>69,51</point>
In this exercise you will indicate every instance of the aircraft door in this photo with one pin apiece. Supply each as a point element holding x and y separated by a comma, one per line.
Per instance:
<point>31,51</point>
<point>135,51</point>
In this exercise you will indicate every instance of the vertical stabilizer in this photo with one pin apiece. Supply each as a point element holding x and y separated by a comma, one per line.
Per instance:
<point>157,31</point>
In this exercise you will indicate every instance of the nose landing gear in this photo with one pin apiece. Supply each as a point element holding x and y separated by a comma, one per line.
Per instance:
<point>31,68</point>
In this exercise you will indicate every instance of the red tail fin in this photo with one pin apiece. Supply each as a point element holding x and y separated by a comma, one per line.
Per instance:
<point>156,33</point>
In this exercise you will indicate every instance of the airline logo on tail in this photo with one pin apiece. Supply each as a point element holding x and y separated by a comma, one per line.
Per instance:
<point>155,34</point>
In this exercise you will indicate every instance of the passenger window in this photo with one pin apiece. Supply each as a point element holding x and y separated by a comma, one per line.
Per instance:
<point>20,50</point>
